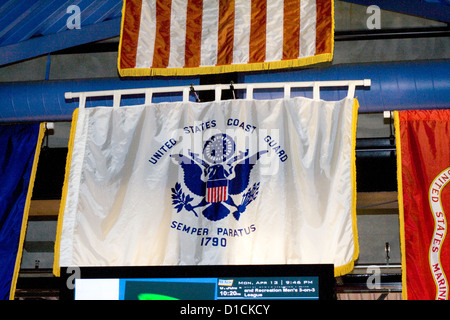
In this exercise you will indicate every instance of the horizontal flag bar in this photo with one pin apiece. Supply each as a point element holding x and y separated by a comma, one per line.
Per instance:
<point>249,87</point>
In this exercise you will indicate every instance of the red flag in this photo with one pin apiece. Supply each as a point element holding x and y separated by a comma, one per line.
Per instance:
<point>423,157</point>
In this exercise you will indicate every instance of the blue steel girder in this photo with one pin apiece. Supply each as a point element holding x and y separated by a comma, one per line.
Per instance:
<point>58,41</point>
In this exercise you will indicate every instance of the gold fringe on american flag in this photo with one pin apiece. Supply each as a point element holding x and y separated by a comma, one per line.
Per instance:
<point>189,37</point>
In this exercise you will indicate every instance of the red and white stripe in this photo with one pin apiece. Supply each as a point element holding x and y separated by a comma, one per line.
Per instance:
<point>197,33</point>
<point>216,194</point>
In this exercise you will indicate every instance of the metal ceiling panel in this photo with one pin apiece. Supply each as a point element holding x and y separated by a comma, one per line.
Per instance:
<point>438,10</point>
<point>30,28</point>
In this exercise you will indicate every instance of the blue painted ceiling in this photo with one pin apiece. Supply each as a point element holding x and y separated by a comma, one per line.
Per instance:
<point>30,28</point>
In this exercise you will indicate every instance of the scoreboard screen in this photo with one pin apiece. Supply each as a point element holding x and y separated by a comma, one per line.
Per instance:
<point>265,282</point>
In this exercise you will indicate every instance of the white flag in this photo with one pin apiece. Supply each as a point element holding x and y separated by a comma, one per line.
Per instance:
<point>228,182</point>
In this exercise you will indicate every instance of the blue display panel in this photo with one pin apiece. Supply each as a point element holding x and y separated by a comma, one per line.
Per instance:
<point>220,283</point>
<point>238,288</point>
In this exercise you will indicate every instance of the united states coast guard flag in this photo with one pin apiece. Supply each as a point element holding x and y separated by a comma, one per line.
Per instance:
<point>187,37</point>
<point>227,182</point>
<point>423,140</point>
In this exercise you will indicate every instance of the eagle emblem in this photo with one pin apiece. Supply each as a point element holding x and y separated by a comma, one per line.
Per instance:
<point>218,178</point>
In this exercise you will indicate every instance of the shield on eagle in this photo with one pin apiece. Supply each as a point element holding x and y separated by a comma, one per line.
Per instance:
<point>215,177</point>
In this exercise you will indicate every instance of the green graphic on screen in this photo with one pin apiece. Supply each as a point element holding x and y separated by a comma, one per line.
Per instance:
<point>154,296</point>
<point>162,290</point>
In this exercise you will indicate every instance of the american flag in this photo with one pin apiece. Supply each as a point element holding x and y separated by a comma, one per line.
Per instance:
<point>216,190</point>
<point>185,37</point>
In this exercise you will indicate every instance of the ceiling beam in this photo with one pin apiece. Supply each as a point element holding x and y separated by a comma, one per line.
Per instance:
<point>62,40</point>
